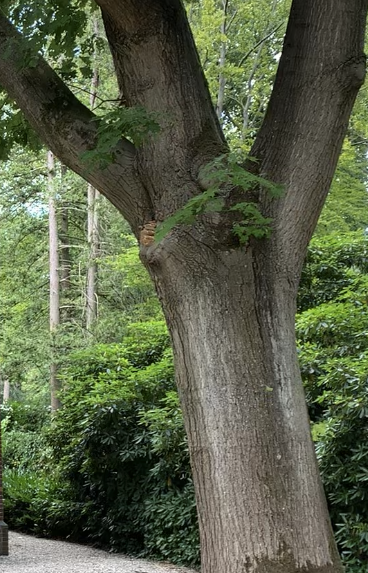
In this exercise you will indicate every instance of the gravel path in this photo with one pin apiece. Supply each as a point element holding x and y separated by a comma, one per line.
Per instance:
<point>34,555</point>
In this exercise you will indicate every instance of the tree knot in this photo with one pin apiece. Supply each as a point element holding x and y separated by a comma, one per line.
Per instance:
<point>355,70</point>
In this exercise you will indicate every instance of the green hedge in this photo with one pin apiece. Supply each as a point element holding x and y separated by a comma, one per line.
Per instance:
<point>119,460</point>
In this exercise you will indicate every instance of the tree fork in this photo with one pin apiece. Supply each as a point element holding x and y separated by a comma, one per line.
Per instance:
<point>230,310</point>
<point>260,501</point>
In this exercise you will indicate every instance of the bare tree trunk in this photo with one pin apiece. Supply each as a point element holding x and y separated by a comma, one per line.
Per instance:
<point>6,390</point>
<point>54,282</point>
<point>250,83</point>
<point>93,220</point>
<point>93,243</point>
<point>222,62</point>
<point>248,101</point>
<point>65,262</point>
<point>4,535</point>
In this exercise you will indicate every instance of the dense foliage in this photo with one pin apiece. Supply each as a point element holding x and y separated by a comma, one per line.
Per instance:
<point>333,345</point>
<point>114,466</point>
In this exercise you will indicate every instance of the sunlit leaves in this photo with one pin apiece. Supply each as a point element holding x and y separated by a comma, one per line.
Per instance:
<point>57,28</point>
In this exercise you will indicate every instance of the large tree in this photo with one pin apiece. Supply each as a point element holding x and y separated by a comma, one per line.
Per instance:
<point>230,307</point>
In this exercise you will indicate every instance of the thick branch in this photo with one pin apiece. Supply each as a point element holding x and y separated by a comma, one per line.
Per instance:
<point>158,68</point>
<point>66,126</point>
<point>321,70</point>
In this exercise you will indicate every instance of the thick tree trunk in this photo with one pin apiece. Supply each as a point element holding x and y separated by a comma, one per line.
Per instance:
<point>260,502</point>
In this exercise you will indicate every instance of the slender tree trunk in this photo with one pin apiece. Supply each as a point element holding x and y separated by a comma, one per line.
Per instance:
<point>250,83</point>
<point>65,261</point>
<point>54,282</point>
<point>6,390</point>
<point>93,243</point>
<point>222,62</point>
<point>248,100</point>
<point>4,535</point>
<point>93,220</point>
<point>64,249</point>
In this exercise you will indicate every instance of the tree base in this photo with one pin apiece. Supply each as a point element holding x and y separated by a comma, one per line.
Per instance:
<point>4,539</point>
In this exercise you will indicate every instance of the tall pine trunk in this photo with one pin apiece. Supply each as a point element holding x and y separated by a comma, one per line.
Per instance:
<point>54,283</point>
<point>93,218</point>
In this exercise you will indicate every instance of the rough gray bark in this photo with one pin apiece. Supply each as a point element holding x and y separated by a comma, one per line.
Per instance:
<point>54,282</point>
<point>231,309</point>
<point>260,502</point>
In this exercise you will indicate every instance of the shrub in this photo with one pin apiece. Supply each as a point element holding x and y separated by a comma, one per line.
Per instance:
<point>24,451</point>
<point>333,352</point>
<point>119,444</point>
<point>38,503</point>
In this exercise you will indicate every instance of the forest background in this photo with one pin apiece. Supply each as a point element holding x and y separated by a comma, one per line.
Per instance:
<point>111,465</point>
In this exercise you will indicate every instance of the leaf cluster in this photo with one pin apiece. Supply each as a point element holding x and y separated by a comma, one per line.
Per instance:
<point>220,176</point>
<point>134,123</point>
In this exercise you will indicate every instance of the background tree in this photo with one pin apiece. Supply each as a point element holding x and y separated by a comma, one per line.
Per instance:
<point>239,45</point>
<point>93,224</point>
<point>54,282</point>
<point>4,541</point>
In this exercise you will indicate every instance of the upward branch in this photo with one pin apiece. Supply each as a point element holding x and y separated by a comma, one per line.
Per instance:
<point>66,126</point>
<point>157,68</point>
<point>321,70</point>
